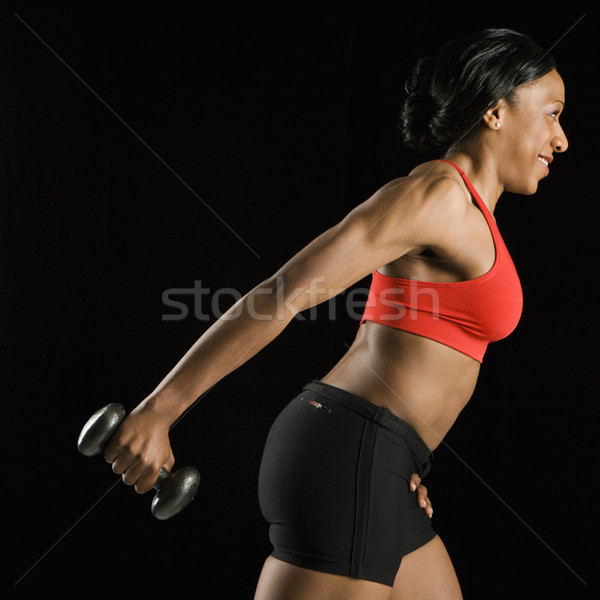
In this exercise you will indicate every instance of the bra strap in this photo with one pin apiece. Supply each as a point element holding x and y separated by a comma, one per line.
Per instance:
<point>466,180</point>
<point>453,164</point>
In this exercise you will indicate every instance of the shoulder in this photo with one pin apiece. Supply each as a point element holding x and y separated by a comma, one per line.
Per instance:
<point>423,207</point>
<point>433,186</point>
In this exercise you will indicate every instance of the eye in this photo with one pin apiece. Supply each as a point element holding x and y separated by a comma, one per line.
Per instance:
<point>554,114</point>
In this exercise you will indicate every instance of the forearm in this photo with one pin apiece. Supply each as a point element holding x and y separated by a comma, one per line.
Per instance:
<point>240,333</point>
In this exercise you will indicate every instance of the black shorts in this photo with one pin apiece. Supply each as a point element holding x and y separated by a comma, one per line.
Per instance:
<point>334,485</point>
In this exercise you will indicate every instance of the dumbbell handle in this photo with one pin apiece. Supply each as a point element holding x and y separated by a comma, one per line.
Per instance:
<point>174,490</point>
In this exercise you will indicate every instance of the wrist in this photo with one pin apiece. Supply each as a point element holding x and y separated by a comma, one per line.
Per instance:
<point>164,406</point>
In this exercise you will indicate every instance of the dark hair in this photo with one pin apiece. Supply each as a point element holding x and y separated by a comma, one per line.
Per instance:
<point>448,96</point>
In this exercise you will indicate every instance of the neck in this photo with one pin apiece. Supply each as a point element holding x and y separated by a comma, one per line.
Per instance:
<point>482,172</point>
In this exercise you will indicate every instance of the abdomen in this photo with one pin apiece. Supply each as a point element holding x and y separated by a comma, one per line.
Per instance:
<point>421,381</point>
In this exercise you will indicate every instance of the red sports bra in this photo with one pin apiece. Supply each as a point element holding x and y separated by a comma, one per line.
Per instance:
<point>465,315</point>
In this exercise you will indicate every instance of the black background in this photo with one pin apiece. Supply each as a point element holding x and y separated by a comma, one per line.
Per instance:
<point>146,149</point>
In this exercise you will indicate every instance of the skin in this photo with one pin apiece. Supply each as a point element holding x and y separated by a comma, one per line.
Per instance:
<point>426,226</point>
<point>503,157</point>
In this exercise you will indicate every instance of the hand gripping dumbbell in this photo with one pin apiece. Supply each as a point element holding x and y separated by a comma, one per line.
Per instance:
<point>174,490</point>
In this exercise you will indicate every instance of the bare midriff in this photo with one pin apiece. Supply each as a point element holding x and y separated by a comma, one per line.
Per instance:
<point>425,383</point>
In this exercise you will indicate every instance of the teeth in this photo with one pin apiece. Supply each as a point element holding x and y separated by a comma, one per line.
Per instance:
<point>543,160</point>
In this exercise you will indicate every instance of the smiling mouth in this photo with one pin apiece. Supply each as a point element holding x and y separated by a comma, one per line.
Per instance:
<point>545,162</point>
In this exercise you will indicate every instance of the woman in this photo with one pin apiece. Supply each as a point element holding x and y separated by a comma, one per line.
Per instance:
<point>335,480</point>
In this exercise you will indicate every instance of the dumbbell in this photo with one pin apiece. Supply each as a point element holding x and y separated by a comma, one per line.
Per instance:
<point>174,490</point>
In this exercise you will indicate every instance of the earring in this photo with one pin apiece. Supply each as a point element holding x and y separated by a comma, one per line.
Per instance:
<point>497,124</point>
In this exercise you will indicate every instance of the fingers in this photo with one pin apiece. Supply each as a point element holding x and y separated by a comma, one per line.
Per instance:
<point>415,482</point>
<point>139,449</point>
<point>111,451</point>
<point>136,472</point>
<point>146,480</point>
<point>422,499</point>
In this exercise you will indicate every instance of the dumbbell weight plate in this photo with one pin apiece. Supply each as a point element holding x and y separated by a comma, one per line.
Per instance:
<point>175,491</point>
<point>100,428</point>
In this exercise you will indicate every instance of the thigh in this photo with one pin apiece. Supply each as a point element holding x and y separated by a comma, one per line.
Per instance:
<point>427,573</point>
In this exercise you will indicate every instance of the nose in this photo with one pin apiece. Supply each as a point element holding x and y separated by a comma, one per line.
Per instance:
<point>559,142</point>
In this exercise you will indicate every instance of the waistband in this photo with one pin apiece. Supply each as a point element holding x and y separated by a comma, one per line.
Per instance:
<point>378,415</point>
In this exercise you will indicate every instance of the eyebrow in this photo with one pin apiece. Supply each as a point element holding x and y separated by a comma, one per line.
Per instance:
<point>561,101</point>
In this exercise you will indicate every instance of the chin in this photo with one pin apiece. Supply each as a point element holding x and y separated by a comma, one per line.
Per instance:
<point>528,185</point>
<point>531,191</point>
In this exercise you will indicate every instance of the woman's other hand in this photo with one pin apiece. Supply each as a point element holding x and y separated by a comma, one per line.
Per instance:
<point>422,499</point>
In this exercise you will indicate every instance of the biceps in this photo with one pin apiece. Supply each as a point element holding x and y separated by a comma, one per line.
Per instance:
<point>334,261</point>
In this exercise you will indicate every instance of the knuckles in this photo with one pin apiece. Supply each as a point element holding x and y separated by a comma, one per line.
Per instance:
<point>142,489</point>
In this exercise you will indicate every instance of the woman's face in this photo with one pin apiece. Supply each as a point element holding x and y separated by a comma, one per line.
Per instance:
<point>531,133</point>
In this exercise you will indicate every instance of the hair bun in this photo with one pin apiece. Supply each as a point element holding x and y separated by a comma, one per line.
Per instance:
<point>419,108</point>
<point>448,95</point>
<point>420,78</point>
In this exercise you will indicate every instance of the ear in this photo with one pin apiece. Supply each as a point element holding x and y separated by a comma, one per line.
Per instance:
<point>494,116</point>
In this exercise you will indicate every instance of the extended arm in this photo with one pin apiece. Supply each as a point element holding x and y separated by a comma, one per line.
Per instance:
<point>375,233</point>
